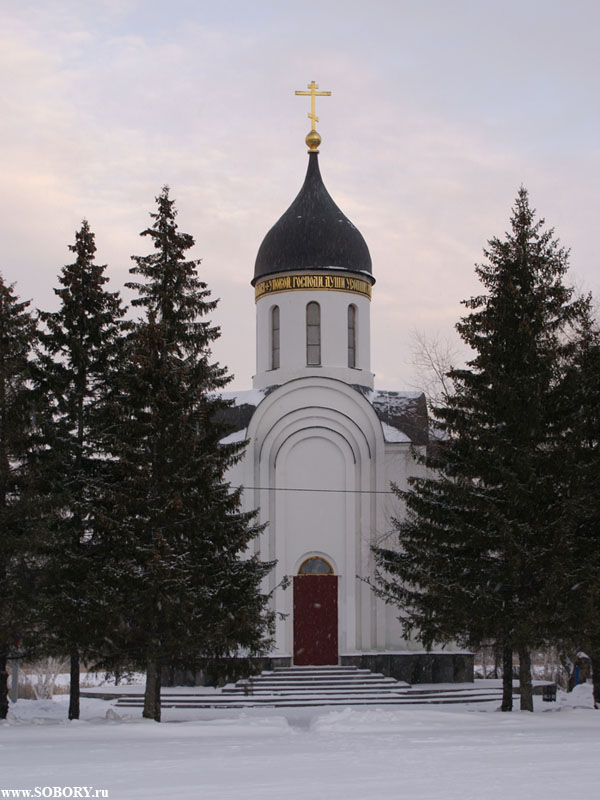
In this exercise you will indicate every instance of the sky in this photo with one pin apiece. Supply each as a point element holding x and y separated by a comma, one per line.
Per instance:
<point>439,113</point>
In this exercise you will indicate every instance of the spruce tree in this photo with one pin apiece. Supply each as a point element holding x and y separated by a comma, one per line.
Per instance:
<point>75,367</point>
<point>576,602</point>
<point>189,588</point>
<point>479,542</point>
<point>17,335</point>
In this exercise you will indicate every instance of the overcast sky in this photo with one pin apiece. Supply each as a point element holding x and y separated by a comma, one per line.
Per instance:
<point>439,112</point>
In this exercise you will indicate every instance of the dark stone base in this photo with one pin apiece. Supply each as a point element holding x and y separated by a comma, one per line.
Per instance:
<point>236,669</point>
<point>416,667</point>
<point>409,667</point>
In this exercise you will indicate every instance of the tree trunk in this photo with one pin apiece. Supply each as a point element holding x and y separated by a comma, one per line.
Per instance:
<point>567,674</point>
<point>507,687</point>
<point>595,656</point>
<point>3,686</point>
<point>525,685</point>
<point>152,692</point>
<point>497,659</point>
<point>483,662</point>
<point>74,687</point>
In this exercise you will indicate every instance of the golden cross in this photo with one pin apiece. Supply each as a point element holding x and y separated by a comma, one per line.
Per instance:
<point>313,93</point>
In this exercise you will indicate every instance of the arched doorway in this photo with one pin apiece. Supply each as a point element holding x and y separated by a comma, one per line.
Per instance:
<point>315,613</point>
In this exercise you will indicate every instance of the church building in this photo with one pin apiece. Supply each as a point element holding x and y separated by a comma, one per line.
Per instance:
<point>325,445</point>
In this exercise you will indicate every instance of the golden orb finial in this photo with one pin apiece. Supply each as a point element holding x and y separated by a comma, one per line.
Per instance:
<point>313,140</point>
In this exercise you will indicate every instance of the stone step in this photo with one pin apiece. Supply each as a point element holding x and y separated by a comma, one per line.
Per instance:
<point>220,700</point>
<point>317,685</point>
<point>414,690</point>
<point>311,687</point>
<point>304,678</point>
<point>409,694</point>
<point>404,693</point>
<point>333,668</point>
<point>296,687</point>
<point>307,702</point>
<point>306,692</point>
<point>374,676</point>
<point>317,672</point>
<point>315,679</point>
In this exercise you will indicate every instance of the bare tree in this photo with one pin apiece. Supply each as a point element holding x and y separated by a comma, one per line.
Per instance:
<point>432,357</point>
<point>43,676</point>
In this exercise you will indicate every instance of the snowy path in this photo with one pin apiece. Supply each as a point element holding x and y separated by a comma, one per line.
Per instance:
<point>451,754</point>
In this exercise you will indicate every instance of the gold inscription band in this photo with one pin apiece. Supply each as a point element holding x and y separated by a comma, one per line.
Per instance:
<point>328,283</point>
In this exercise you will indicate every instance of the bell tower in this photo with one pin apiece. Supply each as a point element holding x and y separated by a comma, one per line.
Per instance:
<point>312,283</point>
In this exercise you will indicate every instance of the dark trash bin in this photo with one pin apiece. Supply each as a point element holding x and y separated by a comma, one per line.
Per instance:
<point>549,694</point>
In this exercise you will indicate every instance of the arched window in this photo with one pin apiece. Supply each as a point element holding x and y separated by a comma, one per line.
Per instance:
<point>275,338</point>
<point>352,314</point>
<point>315,566</point>
<point>313,334</point>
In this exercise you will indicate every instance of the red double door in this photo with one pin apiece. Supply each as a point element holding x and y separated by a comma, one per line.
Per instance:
<point>315,620</point>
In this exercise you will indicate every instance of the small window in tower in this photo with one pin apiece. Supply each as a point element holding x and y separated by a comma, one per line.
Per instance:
<point>313,334</point>
<point>352,314</point>
<point>275,337</point>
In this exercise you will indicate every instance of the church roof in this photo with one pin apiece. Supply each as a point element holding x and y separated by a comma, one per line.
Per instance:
<point>313,234</point>
<point>403,411</point>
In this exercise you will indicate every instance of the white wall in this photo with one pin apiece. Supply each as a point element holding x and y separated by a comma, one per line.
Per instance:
<point>316,433</point>
<point>334,341</point>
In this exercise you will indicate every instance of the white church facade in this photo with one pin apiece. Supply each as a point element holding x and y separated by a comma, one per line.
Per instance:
<point>325,445</point>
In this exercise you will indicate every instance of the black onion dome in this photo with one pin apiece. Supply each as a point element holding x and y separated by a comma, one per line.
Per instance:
<point>312,234</point>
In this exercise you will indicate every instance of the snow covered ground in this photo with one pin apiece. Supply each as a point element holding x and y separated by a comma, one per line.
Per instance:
<point>458,752</point>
